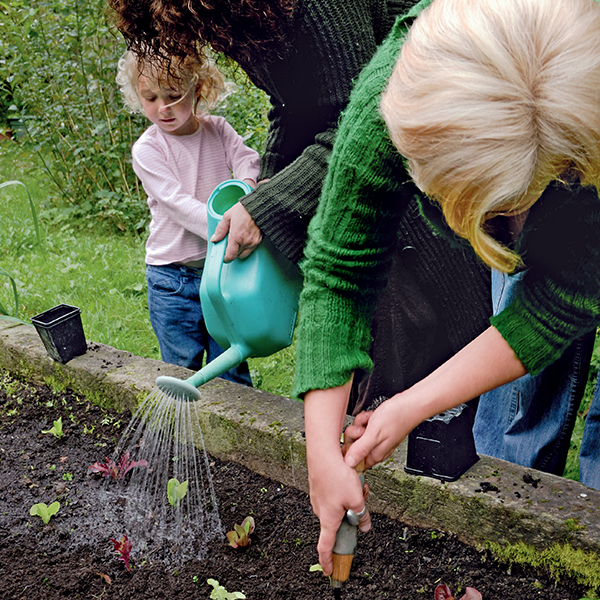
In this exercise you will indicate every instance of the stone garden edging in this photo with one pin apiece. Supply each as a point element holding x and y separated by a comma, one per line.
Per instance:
<point>494,502</point>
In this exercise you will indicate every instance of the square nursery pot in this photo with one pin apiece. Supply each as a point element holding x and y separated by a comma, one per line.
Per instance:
<point>443,447</point>
<point>61,331</point>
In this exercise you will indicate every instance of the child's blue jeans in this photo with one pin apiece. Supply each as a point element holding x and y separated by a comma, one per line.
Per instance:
<point>178,322</point>
<point>530,421</point>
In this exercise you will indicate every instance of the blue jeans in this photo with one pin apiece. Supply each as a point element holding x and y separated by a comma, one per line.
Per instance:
<point>178,322</point>
<point>530,421</point>
<point>589,453</point>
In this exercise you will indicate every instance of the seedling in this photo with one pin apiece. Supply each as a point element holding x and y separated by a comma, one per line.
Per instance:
<point>176,491</point>
<point>44,511</point>
<point>220,593</point>
<point>57,429</point>
<point>442,592</point>
<point>240,536</point>
<point>123,549</point>
<point>116,470</point>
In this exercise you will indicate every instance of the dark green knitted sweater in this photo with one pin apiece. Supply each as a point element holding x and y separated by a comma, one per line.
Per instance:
<point>352,237</point>
<point>330,41</point>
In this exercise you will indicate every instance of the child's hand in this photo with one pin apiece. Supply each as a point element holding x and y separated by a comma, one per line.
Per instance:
<point>375,435</point>
<point>334,487</point>
<point>244,234</point>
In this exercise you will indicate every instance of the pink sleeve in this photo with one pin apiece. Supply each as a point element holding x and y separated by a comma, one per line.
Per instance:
<point>243,161</point>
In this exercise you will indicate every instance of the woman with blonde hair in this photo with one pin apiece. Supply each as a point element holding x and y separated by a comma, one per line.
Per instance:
<point>492,108</point>
<point>532,120</point>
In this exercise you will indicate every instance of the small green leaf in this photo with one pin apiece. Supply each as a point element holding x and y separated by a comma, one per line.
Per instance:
<point>56,430</point>
<point>176,491</point>
<point>220,593</point>
<point>44,511</point>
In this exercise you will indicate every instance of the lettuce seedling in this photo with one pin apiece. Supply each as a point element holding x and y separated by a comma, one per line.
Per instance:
<point>240,536</point>
<point>220,593</point>
<point>176,491</point>
<point>123,549</point>
<point>442,592</point>
<point>44,511</point>
<point>116,470</point>
<point>56,430</point>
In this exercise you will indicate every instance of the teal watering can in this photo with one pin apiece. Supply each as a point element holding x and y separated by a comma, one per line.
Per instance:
<point>249,305</point>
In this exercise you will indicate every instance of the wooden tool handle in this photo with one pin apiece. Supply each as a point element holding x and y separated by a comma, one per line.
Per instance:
<point>345,540</point>
<point>341,567</point>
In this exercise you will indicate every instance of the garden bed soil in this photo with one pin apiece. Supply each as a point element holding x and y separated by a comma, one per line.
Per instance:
<point>70,557</point>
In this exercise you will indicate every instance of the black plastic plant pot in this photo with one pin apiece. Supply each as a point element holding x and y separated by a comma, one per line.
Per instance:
<point>61,331</point>
<point>443,447</point>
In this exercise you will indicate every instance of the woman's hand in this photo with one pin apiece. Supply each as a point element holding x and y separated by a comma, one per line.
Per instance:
<point>244,234</point>
<point>334,486</point>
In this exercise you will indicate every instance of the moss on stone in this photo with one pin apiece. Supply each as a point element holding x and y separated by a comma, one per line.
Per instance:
<point>558,560</point>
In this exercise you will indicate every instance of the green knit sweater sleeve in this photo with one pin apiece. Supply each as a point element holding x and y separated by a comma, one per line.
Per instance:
<point>558,299</point>
<point>353,234</point>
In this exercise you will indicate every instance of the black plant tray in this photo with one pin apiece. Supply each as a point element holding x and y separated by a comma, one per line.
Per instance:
<point>443,447</point>
<point>61,330</point>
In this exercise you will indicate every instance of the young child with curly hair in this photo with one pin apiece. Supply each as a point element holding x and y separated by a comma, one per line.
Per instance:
<point>180,159</point>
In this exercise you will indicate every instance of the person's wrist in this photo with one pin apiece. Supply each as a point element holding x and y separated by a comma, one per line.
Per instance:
<point>416,409</point>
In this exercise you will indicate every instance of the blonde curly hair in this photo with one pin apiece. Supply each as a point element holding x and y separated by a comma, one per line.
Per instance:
<point>184,74</point>
<point>490,101</point>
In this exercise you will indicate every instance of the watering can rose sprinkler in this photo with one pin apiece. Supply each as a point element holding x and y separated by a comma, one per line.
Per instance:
<point>249,305</point>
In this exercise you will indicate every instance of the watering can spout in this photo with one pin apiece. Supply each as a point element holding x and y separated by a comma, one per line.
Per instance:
<point>187,389</point>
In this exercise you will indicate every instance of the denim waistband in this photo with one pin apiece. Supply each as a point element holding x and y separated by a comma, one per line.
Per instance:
<point>181,268</point>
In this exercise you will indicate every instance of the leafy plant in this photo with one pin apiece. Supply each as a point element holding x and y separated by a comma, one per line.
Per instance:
<point>44,511</point>
<point>176,491</point>
<point>56,430</point>
<point>442,592</point>
<point>58,66</point>
<point>116,470</point>
<point>65,52</point>
<point>240,536</point>
<point>123,548</point>
<point>220,593</point>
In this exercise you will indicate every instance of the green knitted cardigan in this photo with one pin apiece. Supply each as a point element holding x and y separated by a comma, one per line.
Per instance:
<point>309,85</point>
<point>352,236</point>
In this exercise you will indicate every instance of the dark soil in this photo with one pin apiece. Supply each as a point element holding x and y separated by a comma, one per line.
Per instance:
<point>70,557</point>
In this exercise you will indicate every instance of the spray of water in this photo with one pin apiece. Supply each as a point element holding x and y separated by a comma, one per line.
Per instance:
<point>165,433</point>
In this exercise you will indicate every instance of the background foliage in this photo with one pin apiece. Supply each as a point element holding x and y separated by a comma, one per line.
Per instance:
<point>57,78</point>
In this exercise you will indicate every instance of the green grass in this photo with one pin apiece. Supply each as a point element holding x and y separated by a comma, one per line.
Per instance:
<point>103,274</point>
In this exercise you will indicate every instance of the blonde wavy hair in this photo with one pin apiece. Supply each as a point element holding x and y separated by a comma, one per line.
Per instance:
<point>183,74</point>
<point>490,101</point>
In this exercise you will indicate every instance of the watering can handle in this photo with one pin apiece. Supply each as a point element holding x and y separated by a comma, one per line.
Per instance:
<point>212,273</point>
